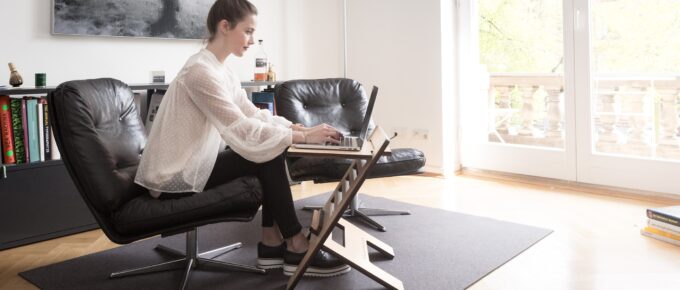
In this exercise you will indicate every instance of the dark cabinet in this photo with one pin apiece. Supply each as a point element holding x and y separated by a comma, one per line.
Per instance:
<point>38,202</point>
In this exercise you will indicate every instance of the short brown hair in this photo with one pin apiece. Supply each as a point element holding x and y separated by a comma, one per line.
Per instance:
<point>231,10</point>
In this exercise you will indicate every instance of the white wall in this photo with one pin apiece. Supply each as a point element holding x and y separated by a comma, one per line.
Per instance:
<point>397,46</point>
<point>394,44</point>
<point>295,33</point>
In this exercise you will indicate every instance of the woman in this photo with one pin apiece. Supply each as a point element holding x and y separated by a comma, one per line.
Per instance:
<point>205,105</point>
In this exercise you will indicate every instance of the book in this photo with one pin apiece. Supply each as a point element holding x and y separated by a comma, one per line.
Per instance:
<point>7,141</point>
<point>669,214</point>
<point>24,126</point>
<point>46,130</point>
<point>259,99</point>
<point>663,226</point>
<point>661,235</point>
<point>140,104</point>
<point>17,131</point>
<point>154,105</point>
<point>32,120</point>
<point>262,97</point>
<point>267,106</point>
<point>54,150</point>
<point>41,133</point>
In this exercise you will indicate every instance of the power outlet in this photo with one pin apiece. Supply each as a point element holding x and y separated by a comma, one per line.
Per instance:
<point>421,134</point>
<point>403,133</point>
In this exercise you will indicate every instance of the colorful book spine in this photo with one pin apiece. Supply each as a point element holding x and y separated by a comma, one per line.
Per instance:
<point>663,226</point>
<point>660,235</point>
<point>41,133</point>
<point>17,131</point>
<point>33,139</point>
<point>668,215</point>
<point>6,131</point>
<point>46,130</point>
<point>24,126</point>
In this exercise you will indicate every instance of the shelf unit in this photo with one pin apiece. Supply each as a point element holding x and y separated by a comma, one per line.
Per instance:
<point>38,201</point>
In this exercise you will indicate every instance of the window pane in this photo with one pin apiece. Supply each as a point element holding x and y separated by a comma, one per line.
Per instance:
<point>522,48</point>
<point>635,69</point>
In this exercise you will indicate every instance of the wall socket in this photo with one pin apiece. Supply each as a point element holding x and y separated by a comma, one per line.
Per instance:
<point>406,133</point>
<point>421,134</point>
<point>403,133</point>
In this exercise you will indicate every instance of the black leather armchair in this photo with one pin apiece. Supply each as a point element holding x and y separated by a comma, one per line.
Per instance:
<point>341,103</point>
<point>100,136</point>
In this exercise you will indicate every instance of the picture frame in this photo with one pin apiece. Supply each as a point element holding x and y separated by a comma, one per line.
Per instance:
<point>172,19</point>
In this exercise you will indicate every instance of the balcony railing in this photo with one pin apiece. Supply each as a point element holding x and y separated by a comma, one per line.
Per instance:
<point>527,109</point>
<point>632,115</point>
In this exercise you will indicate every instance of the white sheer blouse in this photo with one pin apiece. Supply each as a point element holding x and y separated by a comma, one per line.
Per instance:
<point>204,105</point>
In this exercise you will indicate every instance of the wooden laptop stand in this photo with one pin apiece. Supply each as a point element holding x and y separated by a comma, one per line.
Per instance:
<point>355,249</point>
<point>354,210</point>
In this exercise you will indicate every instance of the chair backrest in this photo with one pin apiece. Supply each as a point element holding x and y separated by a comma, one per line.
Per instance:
<point>339,102</point>
<point>100,136</point>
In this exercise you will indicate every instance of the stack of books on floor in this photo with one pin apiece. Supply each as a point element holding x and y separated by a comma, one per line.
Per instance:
<point>663,224</point>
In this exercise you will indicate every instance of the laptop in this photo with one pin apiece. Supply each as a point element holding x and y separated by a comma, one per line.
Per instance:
<point>349,143</point>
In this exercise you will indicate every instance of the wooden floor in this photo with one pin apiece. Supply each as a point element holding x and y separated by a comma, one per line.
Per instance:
<point>596,242</point>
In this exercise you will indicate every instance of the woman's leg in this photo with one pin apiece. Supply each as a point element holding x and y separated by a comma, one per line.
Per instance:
<point>277,205</point>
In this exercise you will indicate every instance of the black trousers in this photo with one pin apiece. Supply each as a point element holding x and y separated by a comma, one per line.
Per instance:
<point>277,200</point>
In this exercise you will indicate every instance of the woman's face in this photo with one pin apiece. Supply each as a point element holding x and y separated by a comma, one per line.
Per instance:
<point>240,37</point>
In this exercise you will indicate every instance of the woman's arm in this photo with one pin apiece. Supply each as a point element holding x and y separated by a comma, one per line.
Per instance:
<point>251,138</point>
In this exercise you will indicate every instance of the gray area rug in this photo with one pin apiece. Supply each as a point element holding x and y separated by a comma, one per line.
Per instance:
<point>435,249</point>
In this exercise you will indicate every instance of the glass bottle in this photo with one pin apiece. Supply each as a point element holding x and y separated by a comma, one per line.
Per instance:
<point>260,63</point>
<point>271,75</point>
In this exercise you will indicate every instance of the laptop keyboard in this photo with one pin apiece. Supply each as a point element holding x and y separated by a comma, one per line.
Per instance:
<point>346,142</point>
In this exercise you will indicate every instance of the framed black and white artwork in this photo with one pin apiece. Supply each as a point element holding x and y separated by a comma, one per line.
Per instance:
<point>136,18</point>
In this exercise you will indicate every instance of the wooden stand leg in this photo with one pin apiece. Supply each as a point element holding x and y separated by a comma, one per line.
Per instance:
<point>356,242</point>
<point>355,253</point>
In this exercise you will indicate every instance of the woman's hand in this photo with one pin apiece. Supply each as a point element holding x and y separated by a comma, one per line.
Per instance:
<point>321,134</point>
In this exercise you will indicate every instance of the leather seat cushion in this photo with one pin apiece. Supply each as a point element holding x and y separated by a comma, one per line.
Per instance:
<point>237,200</point>
<point>401,161</point>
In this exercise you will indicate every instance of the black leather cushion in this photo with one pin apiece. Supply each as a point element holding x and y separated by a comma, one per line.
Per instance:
<point>102,136</point>
<point>402,161</point>
<point>341,103</point>
<point>240,198</point>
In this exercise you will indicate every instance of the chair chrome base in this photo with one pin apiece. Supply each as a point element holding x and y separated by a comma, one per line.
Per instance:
<point>363,214</point>
<point>191,260</point>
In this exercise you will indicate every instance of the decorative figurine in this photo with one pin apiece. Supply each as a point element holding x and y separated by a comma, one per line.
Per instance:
<point>14,77</point>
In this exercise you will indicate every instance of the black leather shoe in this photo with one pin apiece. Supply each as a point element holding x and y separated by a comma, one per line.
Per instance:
<point>270,257</point>
<point>323,264</point>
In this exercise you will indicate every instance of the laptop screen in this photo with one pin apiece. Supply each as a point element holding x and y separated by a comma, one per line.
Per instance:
<point>369,110</point>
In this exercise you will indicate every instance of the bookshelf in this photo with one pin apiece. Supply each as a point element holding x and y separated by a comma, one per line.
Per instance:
<point>38,201</point>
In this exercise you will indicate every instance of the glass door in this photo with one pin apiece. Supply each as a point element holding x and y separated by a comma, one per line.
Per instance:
<point>585,90</point>
<point>517,87</point>
<point>628,80</point>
